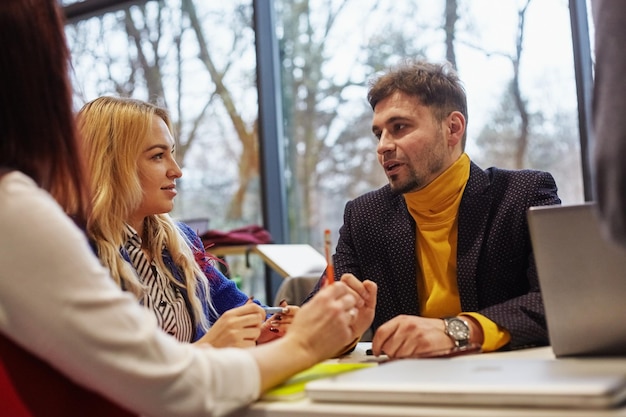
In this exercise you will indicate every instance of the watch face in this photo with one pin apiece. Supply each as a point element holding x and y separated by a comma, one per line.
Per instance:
<point>458,329</point>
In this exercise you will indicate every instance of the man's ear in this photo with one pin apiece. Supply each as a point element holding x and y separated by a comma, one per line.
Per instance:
<point>456,127</point>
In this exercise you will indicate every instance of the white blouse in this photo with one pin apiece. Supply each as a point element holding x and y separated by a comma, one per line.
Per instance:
<point>58,302</point>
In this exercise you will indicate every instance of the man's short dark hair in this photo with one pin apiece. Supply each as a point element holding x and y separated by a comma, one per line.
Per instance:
<point>435,85</point>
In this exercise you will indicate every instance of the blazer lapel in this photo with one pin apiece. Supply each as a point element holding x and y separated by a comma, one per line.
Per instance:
<point>473,217</point>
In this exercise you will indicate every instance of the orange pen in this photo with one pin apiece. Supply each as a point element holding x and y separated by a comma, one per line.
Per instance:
<point>330,270</point>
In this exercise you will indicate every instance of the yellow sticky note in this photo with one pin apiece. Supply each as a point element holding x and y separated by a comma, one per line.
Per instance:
<point>293,388</point>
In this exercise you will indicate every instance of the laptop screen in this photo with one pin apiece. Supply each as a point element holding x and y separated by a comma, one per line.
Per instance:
<point>582,278</point>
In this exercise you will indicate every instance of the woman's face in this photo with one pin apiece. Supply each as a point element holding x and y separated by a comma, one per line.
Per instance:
<point>158,172</point>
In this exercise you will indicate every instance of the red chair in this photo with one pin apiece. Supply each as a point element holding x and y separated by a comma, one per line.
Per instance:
<point>29,387</point>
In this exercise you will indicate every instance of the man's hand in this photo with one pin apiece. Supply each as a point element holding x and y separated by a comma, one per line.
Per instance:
<point>410,336</point>
<point>413,336</point>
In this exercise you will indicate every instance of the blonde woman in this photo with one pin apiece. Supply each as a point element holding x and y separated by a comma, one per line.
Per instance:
<point>130,155</point>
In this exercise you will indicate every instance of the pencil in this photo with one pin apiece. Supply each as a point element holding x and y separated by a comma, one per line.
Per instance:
<point>330,270</point>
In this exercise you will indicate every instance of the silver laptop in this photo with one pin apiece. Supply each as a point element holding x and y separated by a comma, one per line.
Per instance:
<point>546,383</point>
<point>583,281</point>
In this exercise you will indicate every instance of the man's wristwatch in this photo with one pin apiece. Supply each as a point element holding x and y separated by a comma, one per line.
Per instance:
<point>458,330</point>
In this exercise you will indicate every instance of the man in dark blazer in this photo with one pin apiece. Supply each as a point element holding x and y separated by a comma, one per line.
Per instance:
<point>446,242</point>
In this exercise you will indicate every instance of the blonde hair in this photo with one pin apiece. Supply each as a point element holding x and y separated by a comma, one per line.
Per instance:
<point>114,131</point>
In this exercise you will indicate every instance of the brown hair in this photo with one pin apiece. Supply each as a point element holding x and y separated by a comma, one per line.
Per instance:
<point>435,85</point>
<point>37,133</point>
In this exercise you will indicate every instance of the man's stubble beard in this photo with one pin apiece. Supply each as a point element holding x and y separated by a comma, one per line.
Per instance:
<point>416,182</point>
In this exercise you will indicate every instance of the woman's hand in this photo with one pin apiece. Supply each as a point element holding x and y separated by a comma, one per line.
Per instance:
<point>322,327</point>
<point>365,292</point>
<point>237,327</point>
<point>343,308</point>
<point>278,324</point>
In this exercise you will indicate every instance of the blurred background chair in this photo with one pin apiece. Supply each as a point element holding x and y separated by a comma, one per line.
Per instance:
<point>295,289</point>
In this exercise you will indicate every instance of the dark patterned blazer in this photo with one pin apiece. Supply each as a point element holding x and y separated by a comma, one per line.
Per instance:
<point>495,265</point>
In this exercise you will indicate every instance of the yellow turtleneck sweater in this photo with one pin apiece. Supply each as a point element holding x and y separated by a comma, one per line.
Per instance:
<point>435,209</point>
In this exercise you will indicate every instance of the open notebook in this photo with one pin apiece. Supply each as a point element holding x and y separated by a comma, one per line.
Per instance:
<point>564,383</point>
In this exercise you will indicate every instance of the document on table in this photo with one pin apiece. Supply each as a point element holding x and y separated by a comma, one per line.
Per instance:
<point>297,260</point>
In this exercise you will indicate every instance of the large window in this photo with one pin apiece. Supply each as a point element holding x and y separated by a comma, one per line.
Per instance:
<point>198,59</point>
<point>515,58</point>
